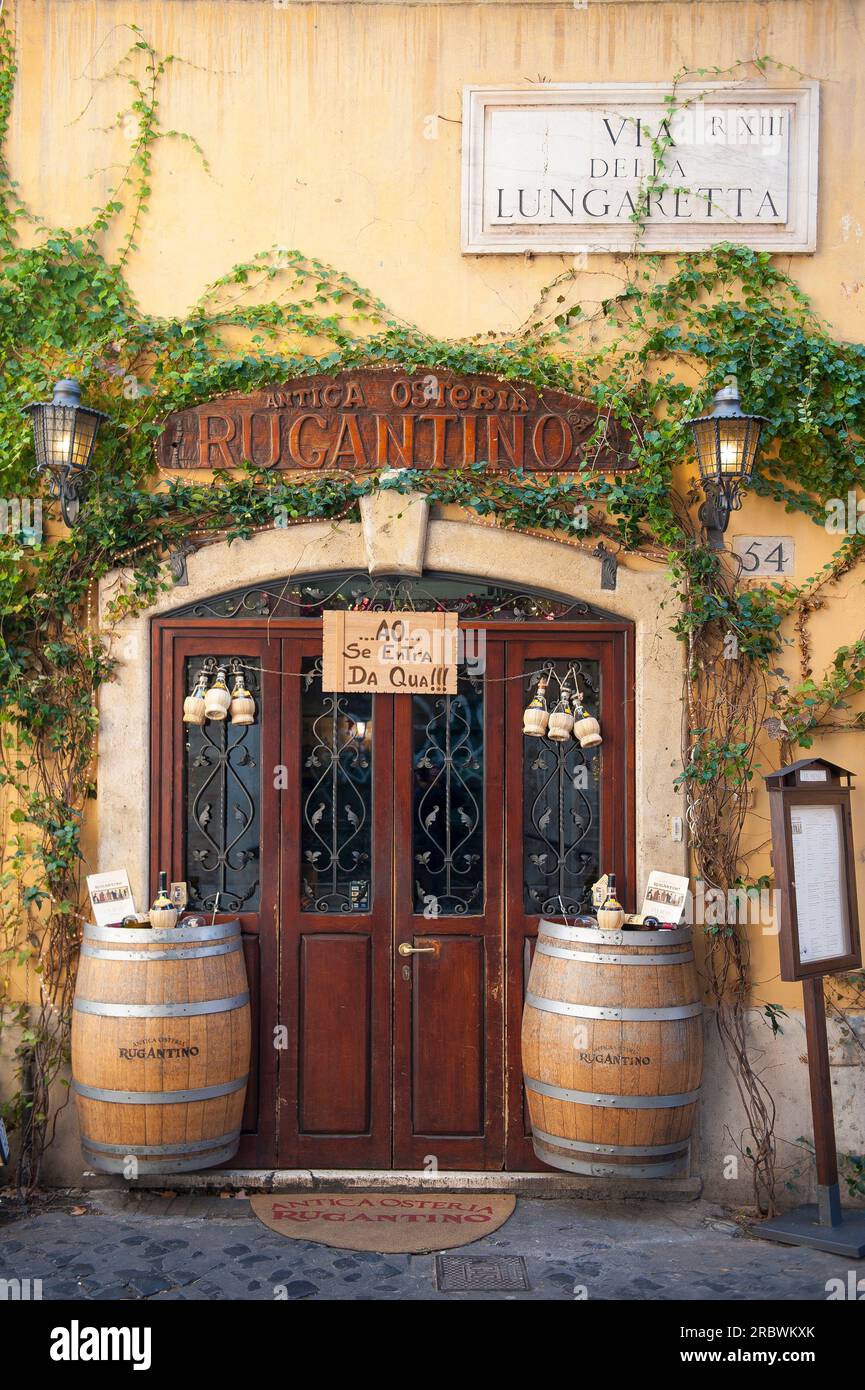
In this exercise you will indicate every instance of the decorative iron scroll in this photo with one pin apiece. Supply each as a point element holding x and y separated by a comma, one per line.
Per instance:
<point>561,809</point>
<point>448,801</point>
<point>470,598</point>
<point>222,796</point>
<point>336,797</point>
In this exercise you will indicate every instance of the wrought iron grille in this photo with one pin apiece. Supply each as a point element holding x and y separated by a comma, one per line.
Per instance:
<point>448,795</point>
<point>470,598</point>
<point>336,797</point>
<point>222,786</point>
<point>561,808</point>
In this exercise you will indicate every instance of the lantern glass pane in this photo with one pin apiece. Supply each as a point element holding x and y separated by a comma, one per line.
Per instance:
<point>752,446</point>
<point>83,438</point>
<point>59,427</point>
<point>732,446</point>
<point>705,440</point>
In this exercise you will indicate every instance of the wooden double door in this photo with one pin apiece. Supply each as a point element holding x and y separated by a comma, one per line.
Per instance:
<point>389,858</point>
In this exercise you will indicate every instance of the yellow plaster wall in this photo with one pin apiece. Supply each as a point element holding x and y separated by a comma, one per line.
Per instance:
<point>315,119</point>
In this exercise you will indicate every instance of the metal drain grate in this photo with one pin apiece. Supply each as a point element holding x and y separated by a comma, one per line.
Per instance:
<point>481,1273</point>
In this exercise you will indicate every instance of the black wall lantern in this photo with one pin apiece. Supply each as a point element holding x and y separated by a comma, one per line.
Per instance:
<point>64,433</point>
<point>726,442</point>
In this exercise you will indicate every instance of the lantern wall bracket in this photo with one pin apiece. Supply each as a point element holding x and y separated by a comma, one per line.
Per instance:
<point>714,513</point>
<point>609,566</point>
<point>177,561</point>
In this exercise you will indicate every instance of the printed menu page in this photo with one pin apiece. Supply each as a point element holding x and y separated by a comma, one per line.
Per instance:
<point>820,882</point>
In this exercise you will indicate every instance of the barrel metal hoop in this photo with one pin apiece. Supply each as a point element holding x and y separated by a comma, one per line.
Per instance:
<point>107,1163</point>
<point>676,936</point>
<point>559,1006</point>
<point>214,931</point>
<point>224,1088</point>
<point>626,1150</point>
<point>546,1088</point>
<point>166,1150</point>
<point>607,1170</point>
<point>193,953</point>
<point>612,957</point>
<point>203,1006</point>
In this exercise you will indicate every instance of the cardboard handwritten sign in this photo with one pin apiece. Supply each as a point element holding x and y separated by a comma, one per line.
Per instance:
<point>390,653</point>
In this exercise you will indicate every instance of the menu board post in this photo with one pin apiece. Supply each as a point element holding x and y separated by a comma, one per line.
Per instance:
<point>812,850</point>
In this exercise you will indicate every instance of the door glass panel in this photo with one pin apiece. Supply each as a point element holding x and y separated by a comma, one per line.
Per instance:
<point>561,806</point>
<point>222,799</point>
<point>448,801</point>
<point>336,797</point>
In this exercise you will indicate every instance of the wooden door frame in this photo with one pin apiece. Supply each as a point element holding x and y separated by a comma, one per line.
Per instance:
<point>166,762</point>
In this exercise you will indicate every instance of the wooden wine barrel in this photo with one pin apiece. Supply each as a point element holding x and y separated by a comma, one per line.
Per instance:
<point>160,1047</point>
<point>612,1049</point>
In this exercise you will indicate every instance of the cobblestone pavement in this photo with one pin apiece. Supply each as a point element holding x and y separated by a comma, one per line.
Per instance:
<point>141,1245</point>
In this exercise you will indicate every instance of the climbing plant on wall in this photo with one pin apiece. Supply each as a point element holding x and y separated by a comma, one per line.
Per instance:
<point>648,355</point>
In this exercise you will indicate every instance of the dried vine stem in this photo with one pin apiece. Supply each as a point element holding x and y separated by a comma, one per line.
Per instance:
<point>48,773</point>
<point>726,699</point>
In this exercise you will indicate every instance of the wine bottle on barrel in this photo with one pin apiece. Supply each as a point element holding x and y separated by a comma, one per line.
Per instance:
<point>163,913</point>
<point>611,915</point>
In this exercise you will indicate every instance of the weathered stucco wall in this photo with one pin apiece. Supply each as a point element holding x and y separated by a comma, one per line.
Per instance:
<point>316,120</point>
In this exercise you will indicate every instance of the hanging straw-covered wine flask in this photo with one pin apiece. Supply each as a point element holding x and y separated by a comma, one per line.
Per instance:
<point>561,724</point>
<point>586,728</point>
<point>218,698</point>
<point>193,705</point>
<point>242,707</point>
<point>536,716</point>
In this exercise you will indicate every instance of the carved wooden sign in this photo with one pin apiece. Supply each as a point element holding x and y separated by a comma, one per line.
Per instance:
<point>390,653</point>
<point>371,418</point>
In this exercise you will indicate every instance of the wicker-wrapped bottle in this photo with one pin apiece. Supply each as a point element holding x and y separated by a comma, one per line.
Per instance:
<point>536,717</point>
<point>561,724</point>
<point>612,914</point>
<point>242,707</point>
<point>163,913</point>
<point>586,727</point>
<point>193,705</point>
<point>218,697</point>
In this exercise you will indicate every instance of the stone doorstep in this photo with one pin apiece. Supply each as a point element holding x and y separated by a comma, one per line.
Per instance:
<point>550,1185</point>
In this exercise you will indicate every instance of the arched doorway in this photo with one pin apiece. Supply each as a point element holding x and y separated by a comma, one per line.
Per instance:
<point>389,857</point>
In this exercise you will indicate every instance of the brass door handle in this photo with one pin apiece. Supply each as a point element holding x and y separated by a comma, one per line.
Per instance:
<point>405,948</point>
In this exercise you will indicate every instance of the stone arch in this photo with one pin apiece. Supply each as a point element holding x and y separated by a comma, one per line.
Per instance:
<point>402,541</point>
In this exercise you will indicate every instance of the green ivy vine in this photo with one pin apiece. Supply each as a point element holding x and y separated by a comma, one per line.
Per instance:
<point>648,355</point>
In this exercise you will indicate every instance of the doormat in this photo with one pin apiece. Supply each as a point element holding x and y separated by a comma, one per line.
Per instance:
<point>387,1222</point>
